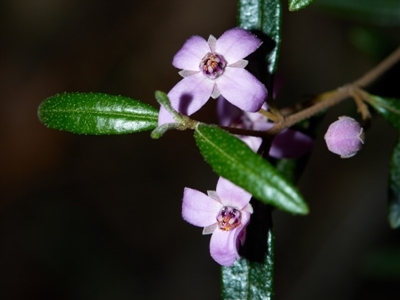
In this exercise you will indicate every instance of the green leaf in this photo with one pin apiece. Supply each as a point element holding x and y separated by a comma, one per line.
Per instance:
<point>288,168</point>
<point>97,113</point>
<point>394,187</point>
<point>389,108</point>
<point>233,160</point>
<point>298,4</point>
<point>380,12</point>
<point>162,99</point>
<point>251,277</point>
<point>264,16</point>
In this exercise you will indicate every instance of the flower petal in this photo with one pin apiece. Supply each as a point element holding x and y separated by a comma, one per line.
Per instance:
<point>246,214</point>
<point>212,41</point>
<point>191,93</point>
<point>227,113</point>
<point>232,195</point>
<point>199,209</point>
<point>164,117</point>
<point>245,220</point>
<point>209,229</point>
<point>291,144</point>
<point>224,245</point>
<point>253,142</point>
<point>242,89</point>
<point>191,53</point>
<point>236,44</point>
<point>260,123</point>
<point>213,195</point>
<point>239,64</point>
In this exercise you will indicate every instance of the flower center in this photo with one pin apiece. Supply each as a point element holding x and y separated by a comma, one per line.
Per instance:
<point>212,65</point>
<point>228,218</point>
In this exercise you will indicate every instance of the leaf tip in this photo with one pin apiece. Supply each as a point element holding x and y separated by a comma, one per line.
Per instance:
<point>304,209</point>
<point>162,97</point>
<point>301,208</point>
<point>295,5</point>
<point>294,8</point>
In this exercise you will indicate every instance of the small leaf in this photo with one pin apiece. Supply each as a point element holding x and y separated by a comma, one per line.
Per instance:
<point>389,108</point>
<point>394,188</point>
<point>232,159</point>
<point>264,16</point>
<point>298,4</point>
<point>251,277</point>
<point>163,100</point>
<point>97,113</point>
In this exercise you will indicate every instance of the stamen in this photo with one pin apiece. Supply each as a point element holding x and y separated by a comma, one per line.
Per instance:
<point>212,65</point>
<point>229,218</point>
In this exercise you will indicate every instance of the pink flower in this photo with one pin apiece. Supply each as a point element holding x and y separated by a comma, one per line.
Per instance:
<point>289,143</point>
<point>212,68</point>
<point>225,213</point>
<point>344,137</point>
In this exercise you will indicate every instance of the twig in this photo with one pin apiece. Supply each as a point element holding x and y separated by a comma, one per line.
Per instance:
<point>339,95</point>
<point>381,68</point>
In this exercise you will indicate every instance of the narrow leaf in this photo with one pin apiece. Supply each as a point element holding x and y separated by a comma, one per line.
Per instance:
<point>264,16</point>
<point>389,108</point>
<point>251,277</point>
<point>288,168</point>
<point>232,159</point>
<point>96,113</point>
<point>394,188</point>
<point>298,4</point>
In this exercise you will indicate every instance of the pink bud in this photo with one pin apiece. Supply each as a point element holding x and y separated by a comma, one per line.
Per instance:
<point>344,137</point>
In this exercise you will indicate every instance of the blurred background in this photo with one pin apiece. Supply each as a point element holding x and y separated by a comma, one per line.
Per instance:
<point>98,217</point>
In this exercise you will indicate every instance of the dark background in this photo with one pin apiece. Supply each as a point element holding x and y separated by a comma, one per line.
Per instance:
<point>98,217</point>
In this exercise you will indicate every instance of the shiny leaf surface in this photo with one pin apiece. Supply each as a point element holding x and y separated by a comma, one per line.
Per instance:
<point>264,16</point>
<point>97,114</point>
<point>234,160</point>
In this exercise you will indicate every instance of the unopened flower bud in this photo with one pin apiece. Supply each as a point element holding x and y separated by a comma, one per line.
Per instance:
<point>344,137</point>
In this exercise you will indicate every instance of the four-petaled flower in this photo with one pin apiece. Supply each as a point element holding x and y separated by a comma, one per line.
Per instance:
<point>289,143</point>
<point>212,68</point>
<point>225,213</point>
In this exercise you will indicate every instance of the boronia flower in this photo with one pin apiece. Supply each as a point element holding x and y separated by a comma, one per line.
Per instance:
<point>224,213</point>
<point>344,137</point>
<point>212,68</point>
<point>288,144</point>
